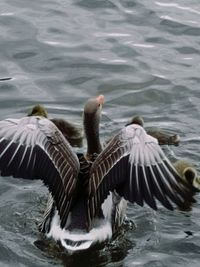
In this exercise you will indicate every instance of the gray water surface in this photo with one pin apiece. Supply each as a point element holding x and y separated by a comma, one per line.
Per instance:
<point>144,57</point>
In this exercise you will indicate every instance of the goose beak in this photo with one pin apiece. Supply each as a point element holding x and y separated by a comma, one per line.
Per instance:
<point>100,99</point>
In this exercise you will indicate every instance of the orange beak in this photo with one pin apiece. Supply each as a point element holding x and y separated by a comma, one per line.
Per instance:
<point>100,99</point>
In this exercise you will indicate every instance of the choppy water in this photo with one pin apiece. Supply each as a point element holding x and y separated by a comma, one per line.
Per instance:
<point>144,57</point>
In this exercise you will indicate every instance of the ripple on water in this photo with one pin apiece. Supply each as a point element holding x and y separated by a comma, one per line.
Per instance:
<point>144,56</point>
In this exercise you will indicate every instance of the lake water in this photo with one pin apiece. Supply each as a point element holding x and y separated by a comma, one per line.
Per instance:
<point>144,56</point>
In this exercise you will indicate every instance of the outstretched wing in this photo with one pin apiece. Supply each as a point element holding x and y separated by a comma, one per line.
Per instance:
<point>34,148</point>
<point>135,166</point>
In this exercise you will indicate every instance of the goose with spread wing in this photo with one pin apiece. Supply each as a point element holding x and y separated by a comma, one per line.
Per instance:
<point>89,192</point>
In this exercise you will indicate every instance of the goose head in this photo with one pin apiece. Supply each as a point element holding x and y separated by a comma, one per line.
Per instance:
<point>136,120</point>
<point>38,110</point>
<point>188,173</point>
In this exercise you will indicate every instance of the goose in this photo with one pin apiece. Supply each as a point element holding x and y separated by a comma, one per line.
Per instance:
<point>72,133</point>
<point>162,137</point>
<point>89,192</point>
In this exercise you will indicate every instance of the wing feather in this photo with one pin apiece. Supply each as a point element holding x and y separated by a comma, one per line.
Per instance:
<point>33,148</point>
<point>134,165</point>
